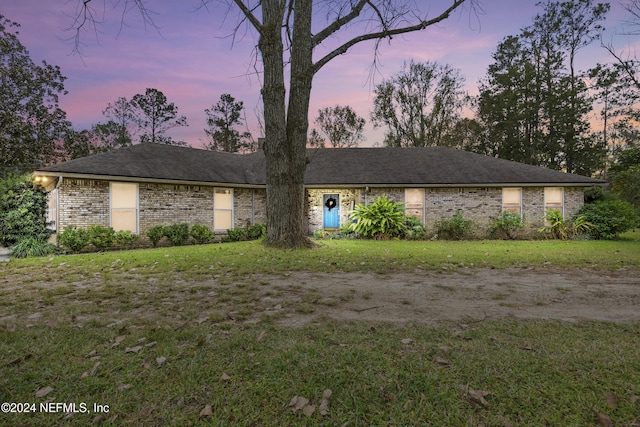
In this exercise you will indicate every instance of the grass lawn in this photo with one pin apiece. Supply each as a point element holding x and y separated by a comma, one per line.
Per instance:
<point>221,370</point>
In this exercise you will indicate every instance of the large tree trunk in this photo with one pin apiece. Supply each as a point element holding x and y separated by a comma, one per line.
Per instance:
<point>286,135</point>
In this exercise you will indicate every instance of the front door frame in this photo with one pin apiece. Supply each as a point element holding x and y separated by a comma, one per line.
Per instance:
<point>331,211</point>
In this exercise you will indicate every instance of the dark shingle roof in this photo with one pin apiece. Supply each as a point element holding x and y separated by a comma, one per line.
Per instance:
<point>436,166</point>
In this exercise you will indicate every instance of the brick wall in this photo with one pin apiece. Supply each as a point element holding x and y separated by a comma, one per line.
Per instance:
<point>250,206</point>
<point>166,204</point>
<point>83,202</point>
<point>479,204</point>
<point>86,202</point>
<point>314,208</point>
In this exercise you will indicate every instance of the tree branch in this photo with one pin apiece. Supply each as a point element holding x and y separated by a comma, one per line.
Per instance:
<point>384,33</point>
<point>249,15</point>
<point>339,23</point>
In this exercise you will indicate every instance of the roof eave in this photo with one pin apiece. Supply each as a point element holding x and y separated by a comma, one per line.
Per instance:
<point>143,180</point>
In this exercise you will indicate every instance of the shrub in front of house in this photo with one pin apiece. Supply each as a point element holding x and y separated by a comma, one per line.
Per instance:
<point>32,247</point>
<point>73,238</point>
<point>564,229</point>
<point>609,218</point>
<point>414,229</point>
<point>382,219</point>
<point>101,237</point>
<point>256,231</point>
<point>251,232</point>
<point>506,226</point>
<point>125,238</point>
<point>201,234</point>
<point>155,234</point>
<point>455,228</point>
<point>177,234</point>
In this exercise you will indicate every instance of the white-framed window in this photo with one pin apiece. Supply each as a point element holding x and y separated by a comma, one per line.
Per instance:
<point>52,210</point>
<point>512,200</point>
<point>124,206</point>
<point>223,209</point>
<point>414,202</point>
<point>554,199</point>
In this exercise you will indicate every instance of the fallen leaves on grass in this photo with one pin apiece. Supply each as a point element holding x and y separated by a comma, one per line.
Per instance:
<point>207,411</point>
<point>298,402</point>
<point>19,360</point>
<point>603,420</point>
<point>324,404</point>
<point>478,397</point>
<point>44,391</point>
<point>135,349</point>
<point>612,400</point>
<point>91,373</point>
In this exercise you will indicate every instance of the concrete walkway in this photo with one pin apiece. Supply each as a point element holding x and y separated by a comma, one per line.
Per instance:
<point>4,254</point>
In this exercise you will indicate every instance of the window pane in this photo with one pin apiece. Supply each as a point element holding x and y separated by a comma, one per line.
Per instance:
<point>511,196</point>
<point>553,197</point>
<point>223,198</point>
<point>123,195</point>
<point>413,198</point>
<point>124,219</point>
<point>223,220</point>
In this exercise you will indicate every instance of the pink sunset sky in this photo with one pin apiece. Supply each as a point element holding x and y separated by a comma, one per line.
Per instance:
<point>191,59</point>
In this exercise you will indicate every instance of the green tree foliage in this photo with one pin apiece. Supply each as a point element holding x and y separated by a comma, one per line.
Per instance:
<point>30,119</point>
<point>420,105</point>
<point>341,125</point>
<point>155,116</point>
<point>533,102</point>
<point>222,120</point>
<point>23,210</point>
<point>625,176</point>
<point>116,133</point>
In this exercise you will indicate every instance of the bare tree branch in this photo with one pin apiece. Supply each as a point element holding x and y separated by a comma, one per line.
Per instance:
<point>384,34</point>
<point>87,16</point>
<point>248,13</point>
<point>338,23</point>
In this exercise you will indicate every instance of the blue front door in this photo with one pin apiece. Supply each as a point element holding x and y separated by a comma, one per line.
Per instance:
<point>331,211</point>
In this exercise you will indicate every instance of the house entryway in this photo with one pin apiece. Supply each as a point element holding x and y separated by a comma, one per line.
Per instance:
<point>331,211</point>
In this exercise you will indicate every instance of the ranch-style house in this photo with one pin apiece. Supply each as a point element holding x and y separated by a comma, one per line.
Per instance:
<point>145,185</point>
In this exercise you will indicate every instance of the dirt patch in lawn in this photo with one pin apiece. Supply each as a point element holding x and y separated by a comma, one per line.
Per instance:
<point>478,294</point>
<point>299,298</point>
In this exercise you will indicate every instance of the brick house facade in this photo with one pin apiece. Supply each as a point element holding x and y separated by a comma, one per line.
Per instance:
<point>147,185</point>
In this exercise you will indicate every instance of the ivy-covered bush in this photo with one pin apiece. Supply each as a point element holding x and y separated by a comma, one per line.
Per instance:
<point>125,238</point>
<point>155,234</point>
<point>73,238</point>
<point>23,209</point>
<point>101,237</point>
<point>456,228</point>
<point>177,234</point>
<point>201,233</point>
<point>609,218</point>
<point>506,226</point>
<point>381,219</point>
